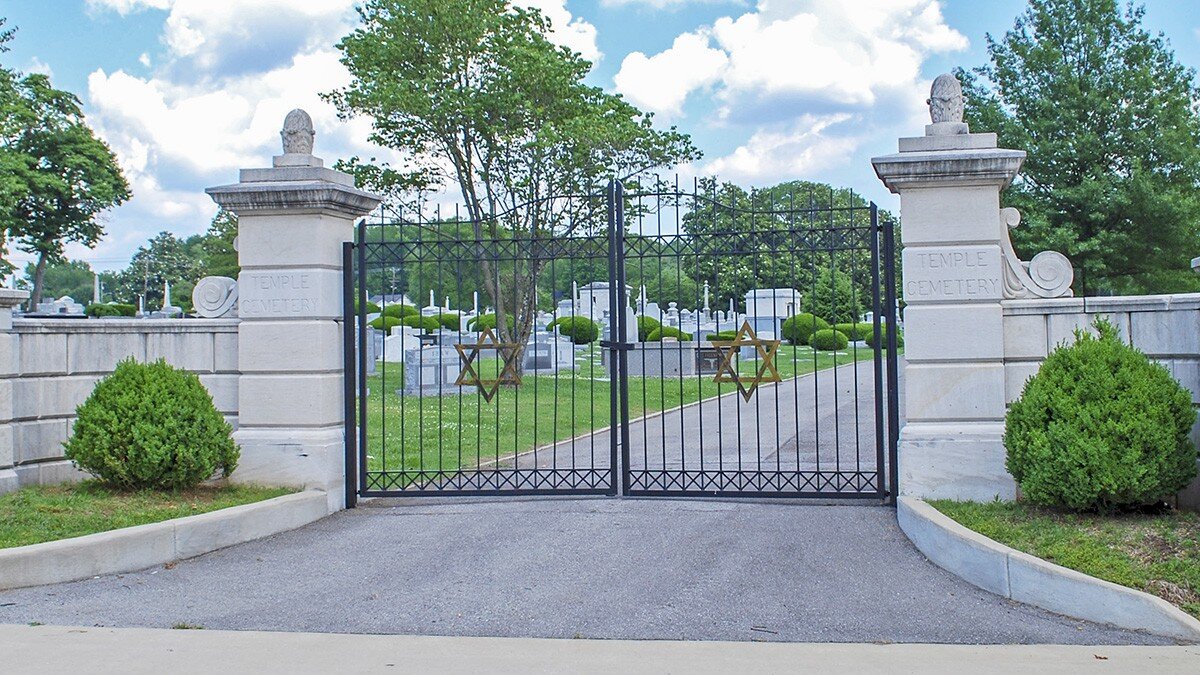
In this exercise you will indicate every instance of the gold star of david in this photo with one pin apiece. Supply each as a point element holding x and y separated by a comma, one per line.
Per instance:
<point>507,352</point>
<point>727,372</point>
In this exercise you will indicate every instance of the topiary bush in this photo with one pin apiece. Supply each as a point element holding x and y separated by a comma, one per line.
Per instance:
<point>870,337</point>
<point>580,329</point>
<point>661,332</point>
<point>426,323</point>
<point>372,308</point>
<point>151,426</point>
<point>829,340</point>
<point>799,328</point>
<point>1100,427</point>
<point>484,321</point>
<point>724,335</point>
<point>99,309</point>
<point>855,331</point>
<point>400,311</point>
<point>646,326</point>
<point>384,323</point>
<point>449,321</point>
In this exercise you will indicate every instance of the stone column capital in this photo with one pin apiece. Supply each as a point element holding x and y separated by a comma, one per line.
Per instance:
<point>297,190</point>
<point>949,167</point>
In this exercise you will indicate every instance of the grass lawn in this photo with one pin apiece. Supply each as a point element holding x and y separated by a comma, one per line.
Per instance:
<point>40,513</point>
<point>1158,554</point>
<point>410,433</point>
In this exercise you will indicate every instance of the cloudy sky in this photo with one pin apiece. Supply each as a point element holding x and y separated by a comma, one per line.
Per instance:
<point>188,91</point>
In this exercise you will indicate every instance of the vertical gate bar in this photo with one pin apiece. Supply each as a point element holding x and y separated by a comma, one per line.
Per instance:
<point>614,351</point>
<point>876,311</point>
<point>349,321</point>
<point>623,323</point>
<point>889,253</point>
<point>361,245</point>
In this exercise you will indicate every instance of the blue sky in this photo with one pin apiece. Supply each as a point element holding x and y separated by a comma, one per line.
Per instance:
<point>188,91</point>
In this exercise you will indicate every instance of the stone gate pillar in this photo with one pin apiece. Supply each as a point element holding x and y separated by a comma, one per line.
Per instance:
<point>292,220</point>
<point>954,276</point>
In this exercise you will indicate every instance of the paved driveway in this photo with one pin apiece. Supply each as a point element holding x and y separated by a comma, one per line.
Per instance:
<point>596,568</point>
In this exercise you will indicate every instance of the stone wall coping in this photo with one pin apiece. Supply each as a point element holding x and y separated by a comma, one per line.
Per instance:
<point>135,548</point>
<point>948,168</point>
<point>1019,576</point>
<point>294,197</point>
<point>1093,305</point>
<point>125,325</point>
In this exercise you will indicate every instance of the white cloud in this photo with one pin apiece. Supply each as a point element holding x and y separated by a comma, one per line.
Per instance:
<point>809,81</point>
<point>125,7</point>
<point>665,4</point>
<point>40,67</point>
<point>662,82</point>
<point>565,29</point>
<point>144,59</point>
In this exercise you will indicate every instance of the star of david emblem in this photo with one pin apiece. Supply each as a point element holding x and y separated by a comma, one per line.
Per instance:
<point>727,372</point>
<point>470,356</point>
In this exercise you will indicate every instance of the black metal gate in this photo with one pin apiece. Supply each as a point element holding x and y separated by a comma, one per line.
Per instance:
<point>650,342</point>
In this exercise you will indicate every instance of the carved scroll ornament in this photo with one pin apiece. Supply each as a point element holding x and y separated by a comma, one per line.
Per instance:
<point>1048,275</point>
<point>215,297</point>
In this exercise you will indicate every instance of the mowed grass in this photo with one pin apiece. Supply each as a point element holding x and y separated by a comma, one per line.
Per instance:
<point>41,513</point>
<point>463,431</point>
<point>1158,554</point>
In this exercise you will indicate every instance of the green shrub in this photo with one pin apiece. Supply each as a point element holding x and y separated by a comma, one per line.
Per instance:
<point>723,335</point>
<point>797,329</point>
<point>829,340</point>
<point>661,332</point>
<point>450,321</point>
<point>870,337</point>
<point>1100,427</point>
<point>646,326</point>
<point>855,331</point>
<point>400,311</point>
<point>151,426</point>
<point>384,323</point>
<point>372,308</point>
<point>484,321</point>
<point>110,309</point>
<point>580,329</point>
<point>427,323</point>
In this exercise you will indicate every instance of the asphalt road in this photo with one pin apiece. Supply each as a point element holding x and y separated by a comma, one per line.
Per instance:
<point>594,568</point>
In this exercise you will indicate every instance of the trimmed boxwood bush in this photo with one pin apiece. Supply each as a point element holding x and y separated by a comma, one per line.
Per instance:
<point>151,426</point>
<point>855,331</point>
<point>870,337</point>
<point>797,329</point>
<point>400,311</point>
<point>829,340</point>
<point>384,323</point>
<point>646,326</point>
<point>1100,427</point>
<point>372,308</point>
<point>580,329</point>
<point>110,309</point>
<point>484,321</point>
<point>427,323</point>
<point>723,335</point>
<point>661,332</point>
<point>449,321</point>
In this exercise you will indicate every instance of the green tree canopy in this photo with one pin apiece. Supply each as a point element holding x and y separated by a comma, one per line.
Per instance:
<point>1109,119</point>
<point>474,92</point>
<point>66,177</point>
<point>165,258</point>
<point>64,277</point>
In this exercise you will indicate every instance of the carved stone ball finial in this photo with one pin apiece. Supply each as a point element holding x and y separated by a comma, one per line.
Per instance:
<point>297,133</point>
<point>946,100</point>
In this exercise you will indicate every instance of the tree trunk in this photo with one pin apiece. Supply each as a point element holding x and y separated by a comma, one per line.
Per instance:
<point>39,275</point>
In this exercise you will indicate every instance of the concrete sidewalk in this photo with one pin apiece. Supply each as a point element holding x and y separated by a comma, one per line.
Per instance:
<point>53,649</point>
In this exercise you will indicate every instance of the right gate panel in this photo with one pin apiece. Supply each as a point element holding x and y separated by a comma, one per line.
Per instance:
<point>760,365</point>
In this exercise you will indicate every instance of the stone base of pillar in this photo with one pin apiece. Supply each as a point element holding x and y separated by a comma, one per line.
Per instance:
<point>8,480</point>
<point>301,458</point>
<point>955,460</point>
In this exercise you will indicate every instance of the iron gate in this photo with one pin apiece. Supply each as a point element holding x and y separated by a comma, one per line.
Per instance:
<point>654,342</point>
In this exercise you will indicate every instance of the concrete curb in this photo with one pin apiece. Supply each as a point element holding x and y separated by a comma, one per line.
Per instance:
<point>135,548</point>
<point>1019,576</point>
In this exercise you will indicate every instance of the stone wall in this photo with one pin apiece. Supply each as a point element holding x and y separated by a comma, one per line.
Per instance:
<point>1165,327</point>
<point>51,366</point>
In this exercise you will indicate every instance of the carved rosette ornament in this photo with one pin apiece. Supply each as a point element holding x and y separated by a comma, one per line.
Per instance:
<point>1048,275</point>
<point>215,297</point>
